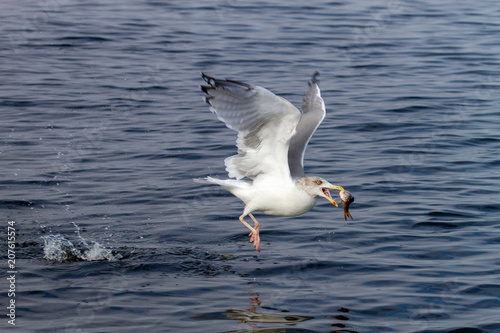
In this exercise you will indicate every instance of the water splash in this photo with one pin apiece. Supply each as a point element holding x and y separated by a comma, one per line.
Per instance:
<point>59,249</point>
<point>99,252</point>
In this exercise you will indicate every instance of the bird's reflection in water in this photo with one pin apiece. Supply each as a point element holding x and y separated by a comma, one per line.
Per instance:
<point>255,302</point>
<point>245,316</point>
<point>251,316</point>
<point>343,327</point>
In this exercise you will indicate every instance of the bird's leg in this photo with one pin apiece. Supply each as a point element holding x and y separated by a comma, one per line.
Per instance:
<point>254,234</point>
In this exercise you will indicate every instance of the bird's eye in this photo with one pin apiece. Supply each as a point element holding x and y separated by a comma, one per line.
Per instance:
<point>319,182</point>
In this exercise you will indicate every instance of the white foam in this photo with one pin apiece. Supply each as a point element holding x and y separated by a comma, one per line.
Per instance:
<point>98,252</point>
<point>59,249</point>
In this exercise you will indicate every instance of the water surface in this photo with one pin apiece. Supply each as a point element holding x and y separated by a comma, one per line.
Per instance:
<point>103,128</point>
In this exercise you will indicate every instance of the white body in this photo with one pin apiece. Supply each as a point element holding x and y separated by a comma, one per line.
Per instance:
<point>269,195</point>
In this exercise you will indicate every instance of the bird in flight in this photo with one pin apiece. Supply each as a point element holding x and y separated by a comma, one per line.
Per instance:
<point>267,174</point>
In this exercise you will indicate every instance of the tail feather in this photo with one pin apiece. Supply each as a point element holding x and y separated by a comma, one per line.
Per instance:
<point>226,183</point>
<point>203,180</point>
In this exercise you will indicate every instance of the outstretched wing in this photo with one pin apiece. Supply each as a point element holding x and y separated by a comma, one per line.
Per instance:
<point>313,113</point>
<point>264,122</point>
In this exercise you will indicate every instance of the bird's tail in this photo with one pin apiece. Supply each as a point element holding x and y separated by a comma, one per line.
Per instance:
<point>206,180</point>
<point>226,183</point>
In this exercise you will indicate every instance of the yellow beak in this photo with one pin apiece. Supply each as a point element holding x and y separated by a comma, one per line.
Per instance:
<point>328,196</point>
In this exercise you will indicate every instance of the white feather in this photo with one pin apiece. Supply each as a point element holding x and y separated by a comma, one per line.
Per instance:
<point>265,124</point>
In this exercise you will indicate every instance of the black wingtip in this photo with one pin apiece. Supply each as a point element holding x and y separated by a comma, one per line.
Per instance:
<point>208,79</point>
<point>216,83</point>
<point>205,88</point>
<point>207,99</point>
<point>315,79</point>
<point>211,81</point>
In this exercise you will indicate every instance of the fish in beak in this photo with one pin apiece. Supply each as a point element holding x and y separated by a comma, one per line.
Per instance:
<point>347,199</point>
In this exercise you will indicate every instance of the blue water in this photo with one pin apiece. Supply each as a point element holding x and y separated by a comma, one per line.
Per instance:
<point>103,127</point>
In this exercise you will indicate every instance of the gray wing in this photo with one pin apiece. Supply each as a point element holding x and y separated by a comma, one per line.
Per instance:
<point>313,113</point>
<point>264,122</point>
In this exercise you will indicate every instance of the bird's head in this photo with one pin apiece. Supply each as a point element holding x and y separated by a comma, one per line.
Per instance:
<point>318,187</point>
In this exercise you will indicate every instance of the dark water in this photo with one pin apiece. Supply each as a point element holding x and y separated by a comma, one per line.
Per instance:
<point>103,128</point>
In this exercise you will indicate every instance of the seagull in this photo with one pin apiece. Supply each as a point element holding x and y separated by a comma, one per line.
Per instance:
<point>267,174</point>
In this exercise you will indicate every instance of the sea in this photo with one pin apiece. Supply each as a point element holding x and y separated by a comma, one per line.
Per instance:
<point>103,128</point>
